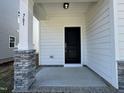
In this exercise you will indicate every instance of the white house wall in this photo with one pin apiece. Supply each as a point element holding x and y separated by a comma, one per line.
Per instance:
<point>8,26</point>
<point>100,45</point>
<point>52,38</point>
<point>120,21</point>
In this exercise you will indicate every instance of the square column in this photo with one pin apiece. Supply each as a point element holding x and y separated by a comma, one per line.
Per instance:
<point>24,65</point>
<point>26,25</point>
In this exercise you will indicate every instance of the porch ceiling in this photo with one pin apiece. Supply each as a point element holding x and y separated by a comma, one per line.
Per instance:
<point>76,9</point>
<point>56,9</point>
<point>61,1</point>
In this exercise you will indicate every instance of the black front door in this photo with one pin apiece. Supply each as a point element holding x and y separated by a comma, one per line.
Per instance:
<point>72,45</point>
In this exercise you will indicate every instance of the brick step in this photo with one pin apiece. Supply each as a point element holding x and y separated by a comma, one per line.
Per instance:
<point>57,89</point>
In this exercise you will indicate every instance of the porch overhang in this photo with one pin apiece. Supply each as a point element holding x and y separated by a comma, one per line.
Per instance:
<point>106,59</point>
<point>61,1</point>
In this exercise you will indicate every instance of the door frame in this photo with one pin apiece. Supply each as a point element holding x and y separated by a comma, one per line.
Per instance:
<point>81,46</point>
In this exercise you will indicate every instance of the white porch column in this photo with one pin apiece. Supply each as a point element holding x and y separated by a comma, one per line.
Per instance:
<point>26,25</point>
<point>24,65</point>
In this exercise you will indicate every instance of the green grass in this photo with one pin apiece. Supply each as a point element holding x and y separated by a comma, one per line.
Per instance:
<point>6,78</point>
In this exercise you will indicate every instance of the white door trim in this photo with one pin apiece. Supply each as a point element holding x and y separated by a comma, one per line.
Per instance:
<point>74,65</point>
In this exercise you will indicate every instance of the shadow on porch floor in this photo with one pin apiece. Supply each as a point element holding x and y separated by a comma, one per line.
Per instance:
<point>69,80</point>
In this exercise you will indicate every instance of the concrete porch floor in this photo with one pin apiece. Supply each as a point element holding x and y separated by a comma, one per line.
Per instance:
<point>69,80</point>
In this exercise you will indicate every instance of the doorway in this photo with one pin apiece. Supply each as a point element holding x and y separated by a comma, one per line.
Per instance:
<point>72,45</point>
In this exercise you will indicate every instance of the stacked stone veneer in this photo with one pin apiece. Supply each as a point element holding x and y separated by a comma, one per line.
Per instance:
<point>121,76</point>
<point>24,69</point>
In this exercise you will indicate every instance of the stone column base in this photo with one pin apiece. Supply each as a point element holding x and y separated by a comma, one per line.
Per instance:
<point>24,69</point>
<point>121,76</point>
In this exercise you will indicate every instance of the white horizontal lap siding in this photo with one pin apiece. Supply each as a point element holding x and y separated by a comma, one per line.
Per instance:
<point>52,38</point>
<point>121,28</point>
<point>99,41</point>
<point>51,44</point>
<point>8,26</point>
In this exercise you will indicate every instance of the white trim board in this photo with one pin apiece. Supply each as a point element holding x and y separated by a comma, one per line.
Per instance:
<point>72,65</point>
<point>81,43</point>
